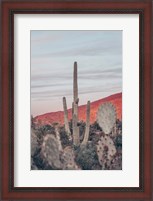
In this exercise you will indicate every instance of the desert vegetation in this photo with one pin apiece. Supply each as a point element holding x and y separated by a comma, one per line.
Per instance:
<point>78,145</point>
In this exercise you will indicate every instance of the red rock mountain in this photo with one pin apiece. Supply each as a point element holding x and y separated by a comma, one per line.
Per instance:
<point>58,116</point>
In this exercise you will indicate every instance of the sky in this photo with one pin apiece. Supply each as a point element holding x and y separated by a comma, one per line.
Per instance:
<point>53,53</point>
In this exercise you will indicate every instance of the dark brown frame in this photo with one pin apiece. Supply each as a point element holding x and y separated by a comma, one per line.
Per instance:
<point>11,7</point>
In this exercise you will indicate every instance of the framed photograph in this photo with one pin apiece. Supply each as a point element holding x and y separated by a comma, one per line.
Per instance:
<point>76,100</point>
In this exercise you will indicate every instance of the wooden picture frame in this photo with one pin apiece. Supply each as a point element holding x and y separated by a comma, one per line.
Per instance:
<point>11,7</point>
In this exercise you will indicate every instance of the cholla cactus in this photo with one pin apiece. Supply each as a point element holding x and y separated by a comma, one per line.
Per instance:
<point>68,159</point>
<point>106,117</point>
<point>105,150</point>
<point>50,151</point>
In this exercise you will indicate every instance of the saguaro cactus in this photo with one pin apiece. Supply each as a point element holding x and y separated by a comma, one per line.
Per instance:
<point>66,121</point>
<point>75,127</point>
<point>76,139</point>
<point>86,136</point>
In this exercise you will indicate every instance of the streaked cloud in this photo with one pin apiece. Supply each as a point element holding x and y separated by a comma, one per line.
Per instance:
<point>99,57</point>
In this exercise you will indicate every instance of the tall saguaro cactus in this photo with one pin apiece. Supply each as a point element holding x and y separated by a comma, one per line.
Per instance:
<point>75,83</point>
<point>75,90</point>
<point>75,127</point>
<point>76,139</point>
<point>86,136</point>
<point>66,121</point>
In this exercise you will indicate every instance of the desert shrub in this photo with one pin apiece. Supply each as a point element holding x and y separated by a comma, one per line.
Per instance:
<point>116,163</point>
<point>34,143</point>
<point>95,132</point>
<point>86,156</point>
<point>32,122</point>
<point>95,126</point>
<point>33,165</point>
<point>118,124</point>
<point>43,131</point>
<point>39,162</point>
<point>64,138</point>
<point>82,127</point>
<point>118,142</point>
<point>46,129</point>
<point>40,136</point>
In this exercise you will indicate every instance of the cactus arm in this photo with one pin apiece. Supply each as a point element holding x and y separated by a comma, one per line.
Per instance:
<point>86,136</point>
<point>66,122</point>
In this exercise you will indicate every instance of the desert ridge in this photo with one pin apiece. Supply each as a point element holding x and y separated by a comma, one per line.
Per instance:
<point>52,117</point>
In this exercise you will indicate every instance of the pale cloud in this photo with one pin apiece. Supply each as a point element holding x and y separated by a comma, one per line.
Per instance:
<point>99,57</point>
